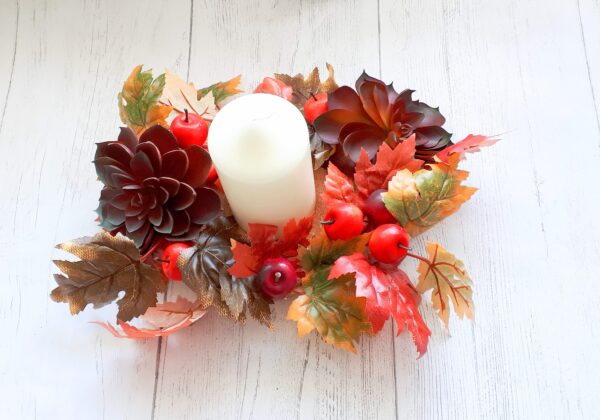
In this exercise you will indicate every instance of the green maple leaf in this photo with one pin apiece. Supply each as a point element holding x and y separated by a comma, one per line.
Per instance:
<point>332,308</point>
<point>420,200</point>
<point>322,252</point>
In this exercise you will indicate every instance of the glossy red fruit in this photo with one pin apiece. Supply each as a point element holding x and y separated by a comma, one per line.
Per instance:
<point>343,221</point>
<point>189,129</point>
<point>375,209</point>
<point>389,243</point>
<point>315,106</point>
<point>277,278</point>
<point>169,257</point>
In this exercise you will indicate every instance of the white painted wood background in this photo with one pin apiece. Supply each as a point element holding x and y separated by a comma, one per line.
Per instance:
<point>526,69</point>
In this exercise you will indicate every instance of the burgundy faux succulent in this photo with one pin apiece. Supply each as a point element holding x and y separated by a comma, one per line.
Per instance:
<point>153,188</point>
<point>376,113</point>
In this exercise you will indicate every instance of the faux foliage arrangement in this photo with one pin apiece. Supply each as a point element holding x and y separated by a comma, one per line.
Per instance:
<point>386,171</point>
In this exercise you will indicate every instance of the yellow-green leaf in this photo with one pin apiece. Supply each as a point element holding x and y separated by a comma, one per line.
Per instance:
<point>222,90</point>
<point>420,200</point>
<point>332,308</point>
<point>446,276</point>
<point>322,251</point>
<point>139,105</point>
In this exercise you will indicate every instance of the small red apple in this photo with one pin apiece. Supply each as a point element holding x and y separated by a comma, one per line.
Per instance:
<point>169,260</point>
<point>343,221</point>
<point>389,243</point>
<point>315,106</point>
<point>277,278</point>
<point>189,129</point>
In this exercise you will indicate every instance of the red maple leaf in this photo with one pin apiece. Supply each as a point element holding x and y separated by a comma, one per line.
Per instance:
<point>265,244</point>
<point>388,292</point>
<point>339,188</point>
<point>370,177</point>
<point>470,144</point>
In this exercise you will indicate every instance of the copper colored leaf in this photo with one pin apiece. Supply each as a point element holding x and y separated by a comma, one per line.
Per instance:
<point>108,265</point>
<point>221,90</point>
<point>245,262</point>
<point>339,188</point>
<point>445,275</point>
<point>166,318</point>
<point>323,252</point>
<point>389,293</point>
<point>470,144</point>
<point>332,308</point>
<point>264,244</point>
<point>204,269</point>
<point>370,177</point>
<point>302,87</point>
<point>181,96</point>
<point>139,105</point>
<point>420,200</point>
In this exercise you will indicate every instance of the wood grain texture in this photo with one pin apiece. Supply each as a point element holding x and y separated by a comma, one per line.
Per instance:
<point>526,70</point>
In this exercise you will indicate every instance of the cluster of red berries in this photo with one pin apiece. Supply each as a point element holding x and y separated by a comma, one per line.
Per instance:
<point>389,242</point>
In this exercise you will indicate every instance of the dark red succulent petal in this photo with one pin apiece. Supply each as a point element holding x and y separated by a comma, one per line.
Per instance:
<point>141,166</point>
<point>128,138</point>
<point>161,138</point>
<point>174,164</point>
<point>153,155</point>
<point>330,124</point>
<point>368,139</point>
<point>185,197</point>
<point>199,166</point>
<point>206,207</point>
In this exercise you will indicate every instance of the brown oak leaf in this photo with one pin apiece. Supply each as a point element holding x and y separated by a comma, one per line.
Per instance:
<point>108,265</point>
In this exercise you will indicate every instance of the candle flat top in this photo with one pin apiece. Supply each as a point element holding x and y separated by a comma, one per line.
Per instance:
<point>258,137</point>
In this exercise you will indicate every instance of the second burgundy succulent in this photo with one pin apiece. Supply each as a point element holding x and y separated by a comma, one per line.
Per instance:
<point>375,113</point>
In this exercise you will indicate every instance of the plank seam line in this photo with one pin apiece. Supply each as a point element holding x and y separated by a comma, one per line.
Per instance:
<point>587,66</point>
<point>12,69</point>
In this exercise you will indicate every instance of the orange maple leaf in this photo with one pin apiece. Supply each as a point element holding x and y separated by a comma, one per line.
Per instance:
<point>370,177</point>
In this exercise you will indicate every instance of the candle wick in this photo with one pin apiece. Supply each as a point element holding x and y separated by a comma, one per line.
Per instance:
<point>277,276</point>
<point>313,96</point>
<point>327,222</point>
<point>186,114</point>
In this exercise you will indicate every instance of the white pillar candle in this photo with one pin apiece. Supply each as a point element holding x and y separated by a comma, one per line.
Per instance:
<point>260,148</point>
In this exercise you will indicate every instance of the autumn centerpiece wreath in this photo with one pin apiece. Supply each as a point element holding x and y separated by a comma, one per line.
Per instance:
<point>385,170</point>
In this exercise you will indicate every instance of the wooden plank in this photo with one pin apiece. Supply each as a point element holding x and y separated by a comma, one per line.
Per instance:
<point>71,59</point>
<point>221,370</point>
<point>528,237</point>
<point>589,15</point>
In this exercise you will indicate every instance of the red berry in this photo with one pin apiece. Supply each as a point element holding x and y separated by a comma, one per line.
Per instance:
<point>169,257</point>
<point>343,221</point>
<point>315,106</point>
<point>376,211</point>
<point>389,243</point>
<point>189,129</point>
<point>277,278</point>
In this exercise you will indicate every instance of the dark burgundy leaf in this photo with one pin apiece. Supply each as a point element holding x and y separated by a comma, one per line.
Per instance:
<point>206,207</point>
<point>199,166</point>
<point>184,198</point>
<point>174,164</point>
